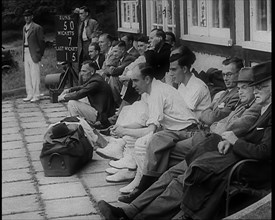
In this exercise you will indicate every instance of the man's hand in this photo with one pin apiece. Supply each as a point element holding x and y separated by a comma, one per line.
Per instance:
<point>223,147</point>
<point>61,97</point>
<point>118,131</point>
<point>230,137</point>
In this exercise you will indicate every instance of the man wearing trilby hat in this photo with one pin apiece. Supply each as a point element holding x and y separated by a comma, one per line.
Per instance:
<point>33,50</point>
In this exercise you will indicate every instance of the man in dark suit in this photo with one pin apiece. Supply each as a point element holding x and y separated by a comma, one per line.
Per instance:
<point>119,51</point>
<point>33,50</point>
<point>158,53</point>
<point>95,55</point>
<point>129,40</point>
<point>98,93</point>
<point>200,187</point>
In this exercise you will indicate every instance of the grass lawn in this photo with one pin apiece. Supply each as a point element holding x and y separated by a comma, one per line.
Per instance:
<point>14,78</point>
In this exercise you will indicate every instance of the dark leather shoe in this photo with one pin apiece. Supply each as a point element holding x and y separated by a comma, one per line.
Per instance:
<point>111,212</point>
<point>130,197</point>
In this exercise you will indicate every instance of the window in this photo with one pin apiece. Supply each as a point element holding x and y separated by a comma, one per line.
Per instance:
<point>260,18</point>
<point>209,21</point>
<point>128,16</point>
<point>258,31</point>
<point>163,14</point>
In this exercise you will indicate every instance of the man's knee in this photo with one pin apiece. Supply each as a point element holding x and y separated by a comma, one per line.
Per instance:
<point>72,106</point>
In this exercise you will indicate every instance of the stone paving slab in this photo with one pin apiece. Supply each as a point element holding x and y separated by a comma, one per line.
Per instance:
<point>12,145</point>
<point>35,155</point>
<point>14,153</point>
<point>24,216</point>
<point>34,125</point>
<point>108,193</point>
<point>86,217</point>
<point>34,146</point>
<point>20,204</point>
<point>11,137</point>
<point>69,207</point>
<point>62,190</point>
<point>37,166</point>
<point>35,131</point>
<point>35,139</point>
<point>13,130</point>
<point>17,188</point>
<point>9,119</point>
<point>9,124</point>
<point>15,163</point>
<point>15,175</point>
<point>42,179</point>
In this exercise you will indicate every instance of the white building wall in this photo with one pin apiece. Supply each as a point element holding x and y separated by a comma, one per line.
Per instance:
<point>205,61</point>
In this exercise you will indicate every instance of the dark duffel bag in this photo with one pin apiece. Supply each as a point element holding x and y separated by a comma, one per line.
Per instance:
<point>65,150</point>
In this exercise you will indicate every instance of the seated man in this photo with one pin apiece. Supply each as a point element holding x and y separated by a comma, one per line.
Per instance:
<point>162,200</point>
<point>119,51</point>
<point>98,93</point>
<point>95,55</point>
<point>193,90</point>
<point>158,155</point>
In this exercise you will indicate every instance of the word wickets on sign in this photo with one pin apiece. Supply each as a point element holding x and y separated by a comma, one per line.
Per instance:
<point>66,38</point>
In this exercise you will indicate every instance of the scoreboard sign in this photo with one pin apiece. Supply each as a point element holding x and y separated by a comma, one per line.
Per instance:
<point>66,38</point>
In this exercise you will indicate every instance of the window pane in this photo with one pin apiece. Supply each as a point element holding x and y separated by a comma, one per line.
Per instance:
<point>203,14</point>
<point>225,14</point>
<point>159,11</point>
<point>169,12</point>
<point>128,12</point>
<point>195,12</point>
<point>134,12</point>
<point>262,15</point>
<point>124,14</point>
<point>215,12</point>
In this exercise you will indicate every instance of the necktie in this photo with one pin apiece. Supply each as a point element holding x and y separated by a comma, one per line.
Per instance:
<point>81,30</point>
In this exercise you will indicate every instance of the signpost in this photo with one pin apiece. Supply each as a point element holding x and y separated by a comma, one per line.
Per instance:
<point>66,46</point>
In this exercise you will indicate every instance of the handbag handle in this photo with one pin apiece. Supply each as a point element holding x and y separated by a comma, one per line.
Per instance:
<point>62,161</point>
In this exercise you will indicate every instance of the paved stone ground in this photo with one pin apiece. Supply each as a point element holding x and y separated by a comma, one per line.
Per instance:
<point>26,192</point>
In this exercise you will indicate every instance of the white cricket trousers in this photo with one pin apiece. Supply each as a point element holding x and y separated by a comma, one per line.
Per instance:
<point>32,75</point>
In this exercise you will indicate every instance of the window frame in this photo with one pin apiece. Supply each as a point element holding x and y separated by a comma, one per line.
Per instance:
<point>257,40</point>
<point>165,24</point>
<point>131,26</point>
<point>217,36</point>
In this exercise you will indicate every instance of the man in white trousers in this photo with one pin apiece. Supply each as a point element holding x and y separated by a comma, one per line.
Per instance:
<point>33,50</point>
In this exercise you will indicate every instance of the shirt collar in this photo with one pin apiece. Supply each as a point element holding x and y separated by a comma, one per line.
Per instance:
<point>264,108</point>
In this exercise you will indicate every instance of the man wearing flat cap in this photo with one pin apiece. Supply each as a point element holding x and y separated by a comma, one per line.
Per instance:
<point>33,50</point>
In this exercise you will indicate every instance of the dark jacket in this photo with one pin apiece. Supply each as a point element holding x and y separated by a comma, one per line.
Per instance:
<point>99,94</point>
<point>36,42</point>
<point>208,171</point>
<point>220,108</point>
<point>126,60</point>
<point>159,59</point>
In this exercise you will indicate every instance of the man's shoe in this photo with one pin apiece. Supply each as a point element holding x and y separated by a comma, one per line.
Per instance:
<point>110,212</point>
<point>34,100</point>
<point>121,176</point>
<point>27,99</point>
<point>111,170</point>
<point>125,162</point>
<point>131,197</point>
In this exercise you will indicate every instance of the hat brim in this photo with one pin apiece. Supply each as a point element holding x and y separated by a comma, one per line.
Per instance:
<point>258,82</point>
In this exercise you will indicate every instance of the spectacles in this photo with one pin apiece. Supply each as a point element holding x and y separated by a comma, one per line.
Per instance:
<point>229,74</point>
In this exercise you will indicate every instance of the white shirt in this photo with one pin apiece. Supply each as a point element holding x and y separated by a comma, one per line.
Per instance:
<point>264,108</point>
<point>27,28</point>
<point>167,108</point>
<point>196,95</point>
<point>84,34</point>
